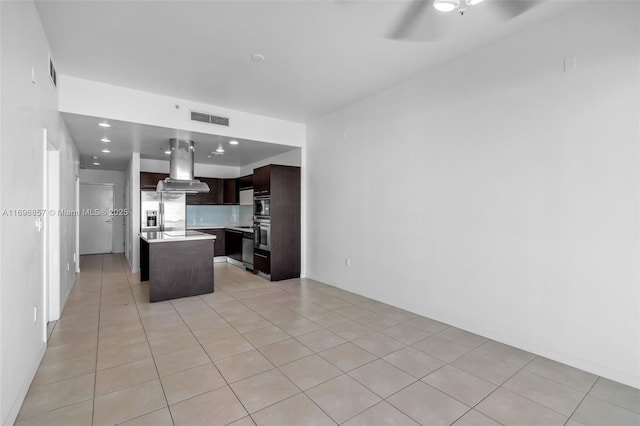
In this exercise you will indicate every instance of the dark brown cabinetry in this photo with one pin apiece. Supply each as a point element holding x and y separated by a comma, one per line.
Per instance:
<point>150,180</point>
<point>245,182</point>
<point>221,191</point>
<point>193,199</point>
<point>214,196</point>
<point>262,261</point>
<point>219,247</point>
<point>262,181</point>
<point>229,191</point>
<point>283,186</point>
<point>233,244</point>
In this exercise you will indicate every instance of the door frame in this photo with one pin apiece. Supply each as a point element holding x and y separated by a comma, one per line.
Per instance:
<point>52,232</point>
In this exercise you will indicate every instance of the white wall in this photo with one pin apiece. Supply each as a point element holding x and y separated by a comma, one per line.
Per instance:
<point>133,227</point>
<point>116,178</point>
<point>69,159</point>
<point>497,193</point>
<point>87,97</point>
<point>289,158</point>
<point>27,108</point>
<point>53,234</point>
<point>128,220</point>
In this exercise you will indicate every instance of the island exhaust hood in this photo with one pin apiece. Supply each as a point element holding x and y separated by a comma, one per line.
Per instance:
<point>181,170</point>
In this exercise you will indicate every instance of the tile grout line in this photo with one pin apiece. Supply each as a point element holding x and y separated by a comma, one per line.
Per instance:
<point>212,361</point>
<point>581,400</point>
<point>451,396</point>
<point>345,373</point>
<point>149,346</point>
<point>287,305</point>
<point>500,387</point>
<point>95,376</point>
<point>276,367</point>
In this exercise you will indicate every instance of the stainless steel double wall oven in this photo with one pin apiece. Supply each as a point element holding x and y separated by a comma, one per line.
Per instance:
<point>262,223</point>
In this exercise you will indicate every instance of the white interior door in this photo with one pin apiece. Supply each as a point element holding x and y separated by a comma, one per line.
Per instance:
<point>96,226</point>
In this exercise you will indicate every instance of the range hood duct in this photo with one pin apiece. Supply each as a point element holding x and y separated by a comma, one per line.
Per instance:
<point>181,170</point>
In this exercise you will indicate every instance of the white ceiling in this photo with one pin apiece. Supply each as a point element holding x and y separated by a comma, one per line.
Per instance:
<point>152,141</point>
<point>321,55</point>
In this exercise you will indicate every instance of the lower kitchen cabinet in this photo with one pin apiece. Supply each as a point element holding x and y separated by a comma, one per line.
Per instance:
<point>219,246</point>
<point>262,261</point>
<point>233,244</point>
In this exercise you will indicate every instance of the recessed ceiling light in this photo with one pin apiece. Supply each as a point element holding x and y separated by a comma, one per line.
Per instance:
<point>106,151</point>
<point>96,164</point>
<point>220,150</point>
<point>168,152</point>
<point>233,142</point>
<point>104,124</point>
<point>106,140</point>
<point>446,5</point>
<point>257,57</point>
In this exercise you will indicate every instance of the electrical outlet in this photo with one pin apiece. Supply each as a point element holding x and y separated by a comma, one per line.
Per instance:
<point>35,313</point>
<point>347,262</point>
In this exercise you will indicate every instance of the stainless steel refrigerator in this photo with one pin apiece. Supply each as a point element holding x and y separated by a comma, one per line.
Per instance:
<point>162,211</point>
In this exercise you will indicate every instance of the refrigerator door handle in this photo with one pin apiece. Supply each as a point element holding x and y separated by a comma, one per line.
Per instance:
<point>161,222</point>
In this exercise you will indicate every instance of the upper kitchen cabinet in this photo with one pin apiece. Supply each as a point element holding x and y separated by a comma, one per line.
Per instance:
<point>229,191</point>
<point>262,181</point>
<point>150,180</point>
<point>245,182</point>
<point>214,196</point>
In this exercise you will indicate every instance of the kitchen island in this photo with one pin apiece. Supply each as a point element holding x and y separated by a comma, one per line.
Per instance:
<point>176,263</point>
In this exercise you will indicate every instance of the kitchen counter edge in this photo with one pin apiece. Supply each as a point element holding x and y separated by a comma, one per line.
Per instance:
<point>235,228</point>
<point>159,237</point>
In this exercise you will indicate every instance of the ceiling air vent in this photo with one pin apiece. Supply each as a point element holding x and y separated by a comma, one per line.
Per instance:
<point>211,119</point>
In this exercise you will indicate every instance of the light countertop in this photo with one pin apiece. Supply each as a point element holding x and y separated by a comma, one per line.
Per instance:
<point>172,236</point>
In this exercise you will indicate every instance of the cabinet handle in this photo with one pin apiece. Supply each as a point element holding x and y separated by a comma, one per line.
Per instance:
<point>260,255</point>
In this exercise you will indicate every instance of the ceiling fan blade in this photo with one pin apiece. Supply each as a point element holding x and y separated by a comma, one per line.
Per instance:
<point>509,9</point>
<point>417,12</point>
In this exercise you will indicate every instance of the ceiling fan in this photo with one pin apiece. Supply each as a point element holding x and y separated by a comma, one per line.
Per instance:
<point>430,14</point>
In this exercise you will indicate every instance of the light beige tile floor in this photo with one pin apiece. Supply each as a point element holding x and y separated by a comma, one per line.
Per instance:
<point>296,352</point>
